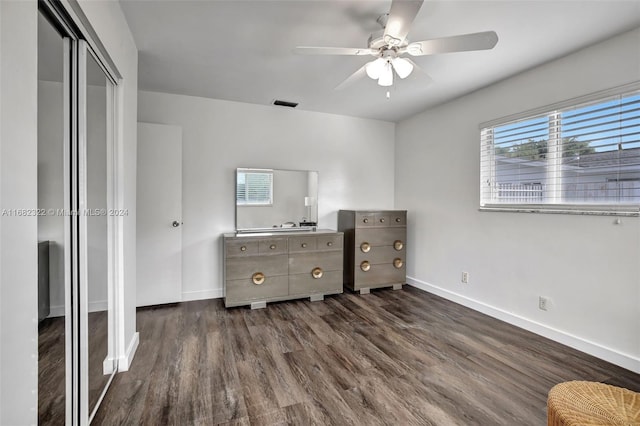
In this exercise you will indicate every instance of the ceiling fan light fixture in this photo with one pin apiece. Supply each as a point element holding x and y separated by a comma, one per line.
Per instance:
<point>386,78</point>
<point>374,68</point>
<point>402,66</point>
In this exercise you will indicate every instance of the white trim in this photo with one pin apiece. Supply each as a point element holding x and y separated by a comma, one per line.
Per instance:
<point>216,293</point>
<point>562,209</point>
<point>592,348</point>
<point>124,362</point>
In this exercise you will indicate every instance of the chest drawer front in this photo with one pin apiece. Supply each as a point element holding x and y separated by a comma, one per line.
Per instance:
<point>379,254</point>
<point>241,248</point>
<point>398,218</point>
<point>382,219</point>
<point>380,236</point>
<point>245,267</point>
<point>380,274</point>
<point>273,246</point>
<point>246,290</point>
<point>330,242</point>
<point>307,284</point>
<point>302,244</point>
<point>306,262</point>
<point>365,220</point>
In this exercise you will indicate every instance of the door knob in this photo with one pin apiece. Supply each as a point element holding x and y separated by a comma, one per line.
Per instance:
<point>175,224</point>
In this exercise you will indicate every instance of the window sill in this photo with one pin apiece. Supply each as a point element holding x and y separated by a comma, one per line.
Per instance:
<point>630,211</point>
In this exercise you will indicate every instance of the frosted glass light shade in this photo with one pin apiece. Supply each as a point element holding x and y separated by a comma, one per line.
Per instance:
<point>402,66</point>
<point>386,78</point>
<point>374,68</point>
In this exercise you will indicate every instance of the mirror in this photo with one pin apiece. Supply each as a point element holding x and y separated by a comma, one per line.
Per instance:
<point>276,200</point>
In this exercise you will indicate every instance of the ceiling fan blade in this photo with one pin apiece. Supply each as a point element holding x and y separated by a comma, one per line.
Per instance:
<point>460,43</point>
<point>420,72</point>
<point>352,78</point>
<point>308,50</point>
<point>401,16</point>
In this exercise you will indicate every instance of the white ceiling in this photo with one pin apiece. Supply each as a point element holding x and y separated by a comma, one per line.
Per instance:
<point>242,50</point>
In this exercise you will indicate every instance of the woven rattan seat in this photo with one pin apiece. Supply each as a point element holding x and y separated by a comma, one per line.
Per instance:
<point>590,403</point>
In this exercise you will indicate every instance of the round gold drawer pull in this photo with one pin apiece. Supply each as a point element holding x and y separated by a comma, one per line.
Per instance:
<point>304,245</point>
<point>272,246</point>
<point>397,262</point>
<point>243,248</point>
<point>382,220</point>
<point>398,220</point>
<point>317,273</point>
<point>258,278</point>
<point>365,247</point>
<point>365,220</point>
<point>329,243</point>
<point>398,245</point>
<point>365,266</point>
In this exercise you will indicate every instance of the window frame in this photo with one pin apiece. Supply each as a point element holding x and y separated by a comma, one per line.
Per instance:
<point>553,112</point>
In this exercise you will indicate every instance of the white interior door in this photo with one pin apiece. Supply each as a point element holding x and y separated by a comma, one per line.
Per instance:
<point>159,214</point>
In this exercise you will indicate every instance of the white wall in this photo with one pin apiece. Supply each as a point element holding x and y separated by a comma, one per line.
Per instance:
<point>587,265</point>
<point>18,235</point>
<point>109,22</point>
<point>354,158</point>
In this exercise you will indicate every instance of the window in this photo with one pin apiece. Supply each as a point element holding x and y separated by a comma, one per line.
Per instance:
<point>254,187</point>
<point>584,156</point>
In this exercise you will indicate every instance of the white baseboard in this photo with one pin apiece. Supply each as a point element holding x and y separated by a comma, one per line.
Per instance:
<point>125,361</point>
<point>611,355</point>
<point>58,311</point>
<point>188,296</point>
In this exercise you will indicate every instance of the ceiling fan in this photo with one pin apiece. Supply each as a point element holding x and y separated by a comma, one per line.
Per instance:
<point>389,44</point>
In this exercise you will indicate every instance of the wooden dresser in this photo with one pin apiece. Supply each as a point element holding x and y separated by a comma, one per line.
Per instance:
<point>261,268</point>
<point>375,248</point>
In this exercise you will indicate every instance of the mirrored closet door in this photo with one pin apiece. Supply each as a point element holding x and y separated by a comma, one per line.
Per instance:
<point>53,225</point>
<point>76,230</point>
<point>96,279</point>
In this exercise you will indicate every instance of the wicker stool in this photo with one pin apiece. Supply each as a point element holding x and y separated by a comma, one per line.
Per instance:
<point>589,403</point>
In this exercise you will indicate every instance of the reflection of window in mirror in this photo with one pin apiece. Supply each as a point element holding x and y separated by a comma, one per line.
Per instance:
<point>254,187</point>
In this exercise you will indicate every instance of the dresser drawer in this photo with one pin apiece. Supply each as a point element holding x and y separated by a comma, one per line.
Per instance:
<point>302,244</point>
<point>365,220</point>
<point>382,219</point>
<point>398,218</point>
<point>380,274</point>
<point>247,290</point>
<point>331,281</point>
<point>273,246</point>
<point>380,236</point>
<point>379,254</point>
<point>305,262</point>
<point>241,248</point>
<point>245,267</point>
<point>330,242</point>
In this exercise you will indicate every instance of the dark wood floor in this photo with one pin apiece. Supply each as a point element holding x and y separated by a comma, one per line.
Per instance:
<point>51,365</point>
<point>390,357</point>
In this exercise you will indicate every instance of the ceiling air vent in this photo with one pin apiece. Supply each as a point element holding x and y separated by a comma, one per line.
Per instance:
<point>285,103</point>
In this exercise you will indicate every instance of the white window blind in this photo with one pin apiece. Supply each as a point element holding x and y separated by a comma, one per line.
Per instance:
<point>583,155</point>
<point>254,187</point>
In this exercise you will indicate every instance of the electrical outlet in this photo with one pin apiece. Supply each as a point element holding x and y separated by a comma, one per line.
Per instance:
<point>465,277</point>
<point>543,303</point>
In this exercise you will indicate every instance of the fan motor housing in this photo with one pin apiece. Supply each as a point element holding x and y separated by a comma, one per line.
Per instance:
<point>376,40</point>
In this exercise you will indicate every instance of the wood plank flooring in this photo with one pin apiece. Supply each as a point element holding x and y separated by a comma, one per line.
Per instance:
<point>390,357</point>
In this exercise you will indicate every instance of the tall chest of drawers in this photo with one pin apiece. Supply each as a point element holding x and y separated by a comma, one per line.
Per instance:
<point>273,267</point>
<point>375,248</point>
